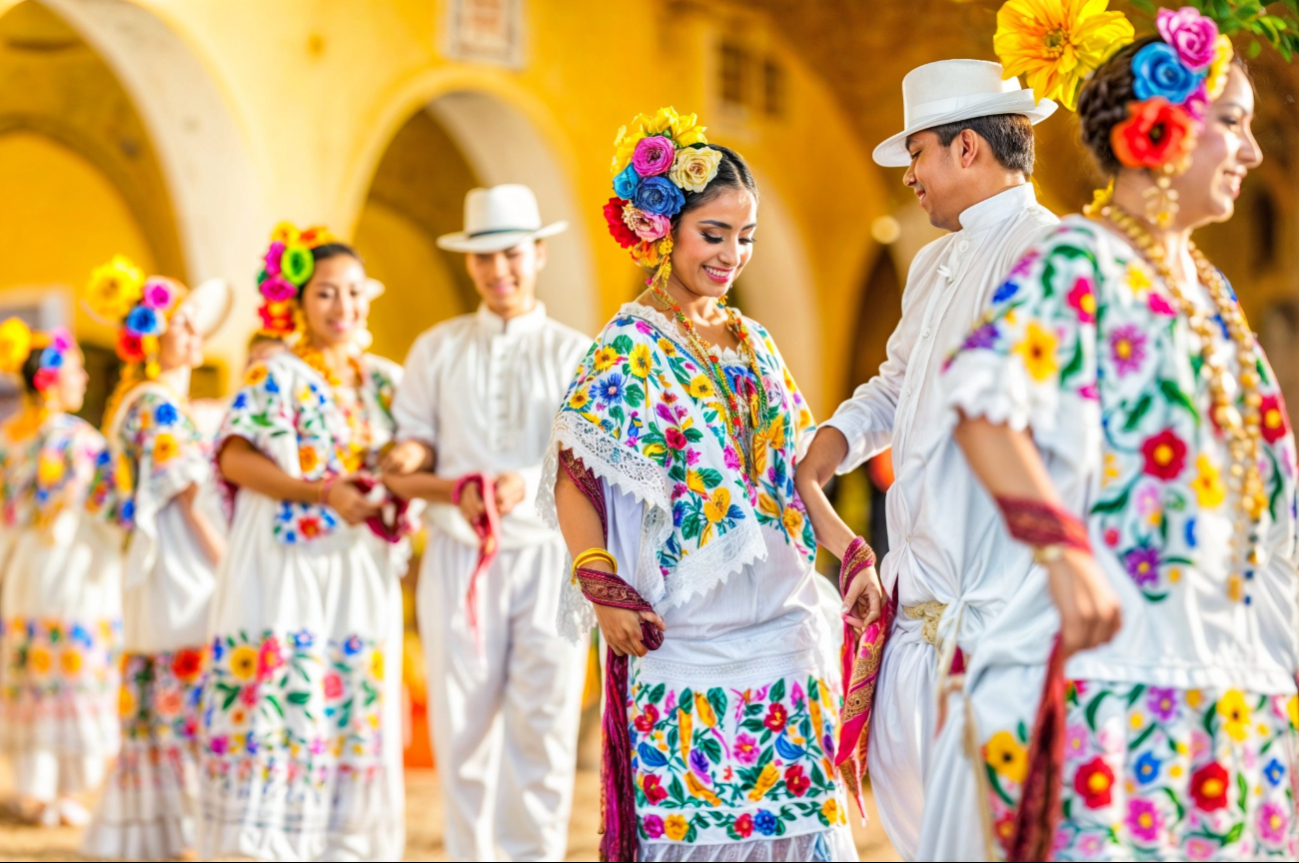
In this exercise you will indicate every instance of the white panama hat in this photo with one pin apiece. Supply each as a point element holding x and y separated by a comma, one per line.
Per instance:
<point>953,90</point>
<point>211,303</point>
<point>499,218</point>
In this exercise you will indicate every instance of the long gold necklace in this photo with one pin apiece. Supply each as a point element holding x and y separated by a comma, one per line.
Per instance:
<point>740,428</point>
<point>1243,433</point>
<point>361,435</point>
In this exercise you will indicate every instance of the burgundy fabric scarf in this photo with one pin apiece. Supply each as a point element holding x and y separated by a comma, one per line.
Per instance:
<point>1039,804</point>
<point>487,527</point>
<point>617,785</point>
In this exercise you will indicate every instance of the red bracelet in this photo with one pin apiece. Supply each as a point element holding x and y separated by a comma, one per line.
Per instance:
<point>325,485</point>
<point>1040,524</point>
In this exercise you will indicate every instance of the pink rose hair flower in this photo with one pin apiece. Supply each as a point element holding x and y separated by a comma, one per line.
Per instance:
<point>1194,36</point>
<point>648,226</point>
<point>277,289</point>
<point>653,156</point>
<point>158,295</point>
<point>60,339</point>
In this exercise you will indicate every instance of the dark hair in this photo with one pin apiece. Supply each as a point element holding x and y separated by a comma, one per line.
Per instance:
<point>31,366</point>
<point>1009,137</point>
<point>325,251</point>
<point>1103,103</point>
<point>732,173</point>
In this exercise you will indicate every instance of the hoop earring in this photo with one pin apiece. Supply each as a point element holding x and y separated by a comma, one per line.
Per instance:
<point>1161,199</point>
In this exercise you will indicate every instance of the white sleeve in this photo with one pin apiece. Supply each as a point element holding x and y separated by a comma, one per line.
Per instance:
<point>415,405</point>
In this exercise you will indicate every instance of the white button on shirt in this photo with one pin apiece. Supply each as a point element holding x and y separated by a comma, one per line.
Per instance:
<point>946,539</point>
<point>483,392</point>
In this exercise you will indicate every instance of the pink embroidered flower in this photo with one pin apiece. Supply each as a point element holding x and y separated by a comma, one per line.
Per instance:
<point>653,788</point>
<point>776,718</point>
<point>1272,821</point>
<point>1112,537</point>
<point>1127,349</point>
<point>1091,846</point>
<point>1089,392</point>
<point>269,658</point>
<point>675,438</point>
<point>1083,300</point>
<point>1075,741</point>
<point>653,826</point>
<point>248,695</point>
<point>1159,305</point>
<point>1162,703</point>
<point>1199,849</point>
<point>317,746</point>
<point>1193,35</point>
<point>796,781</point>
<point>218,745</point>
<point>333,686</point>
<point>1143,820</point>
<point>648,718</point>
<point>654,155</point>
<point>746,749</point>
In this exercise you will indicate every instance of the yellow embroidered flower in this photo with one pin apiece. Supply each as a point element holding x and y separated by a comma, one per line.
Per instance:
<point>1056,44</point>
<point>114,288</point>
<point>125,703</point>
<point>1209,488</point>
<point>698,790</point>
<point>580,398</point>
<point>830,812</point>
<point>605,358</point>
<point>641,361</point>
<point>1292,710</point>
<point>1109,469</point>
<point>1006,756</point>
<point>766,781</point>
<point>1193,698</point>
<point>705,710</point>
<point>700,387</point>
<point>1235,714</point>
<point>1137,720</point>
<point>308,458</point>
<point>1038,351</point>
<point>49,470</point>
<point>668,349</point>
<point>15,344</point>
<point>718,506</point>
<point>1215,80</point>
<point>376,665</point>
<point>256,374</point>
<point>70,661</point>
<point>165,448</point>
<point>1138,279</point>
<point>695,482</point>
<point>39,660</point>
<point>676,827</point>
<point>243,662</point>
<point>793,521</point>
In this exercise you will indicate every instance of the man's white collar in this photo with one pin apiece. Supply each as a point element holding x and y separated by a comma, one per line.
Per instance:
<point>998,208</point>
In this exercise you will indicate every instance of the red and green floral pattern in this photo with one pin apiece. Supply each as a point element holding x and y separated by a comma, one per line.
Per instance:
<point>159,706</point>
<point>1154,773</point>
<point>293,708</point>
<point>726,765</point>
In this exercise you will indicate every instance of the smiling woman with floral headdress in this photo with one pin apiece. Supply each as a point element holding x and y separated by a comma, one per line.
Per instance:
<point>1116,406</point>
<point>61,634</point>
<point>301,727</point>
<point>672,469</point>
<point>164,496</point>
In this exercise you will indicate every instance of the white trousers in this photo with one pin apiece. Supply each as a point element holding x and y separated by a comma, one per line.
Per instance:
<point>902,735</point>
<point>505,705</point>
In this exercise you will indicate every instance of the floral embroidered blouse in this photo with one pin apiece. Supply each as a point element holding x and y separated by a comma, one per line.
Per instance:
<point>1083,346</point>
<point>47,464</point>
<point>291,414</point>
<point>645,417</point>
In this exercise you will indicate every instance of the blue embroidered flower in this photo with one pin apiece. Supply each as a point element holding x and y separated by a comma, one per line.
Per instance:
<point>218,649</point>
<point>270,384</point>
<point>165,414</point>
<point>1274,772</point>
<point>626,183</point>
<point>303,639</point>
<point>81,635</point>
<point>1191,540</point>
<point>1160,72</point>
<point>352,646</point>
<point>128,511</point>
<point>610,389</point>
<point>659,196</point>
<point>1005,291</point>
<point>1148,768</point>
<point>765,822</point>
<point>241,401</point>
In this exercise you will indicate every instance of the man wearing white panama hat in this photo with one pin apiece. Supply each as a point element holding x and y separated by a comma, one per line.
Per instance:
<point>474,413</point>
<point>967,146</point>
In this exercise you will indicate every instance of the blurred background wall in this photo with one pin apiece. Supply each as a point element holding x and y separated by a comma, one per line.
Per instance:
<point>179,131</point>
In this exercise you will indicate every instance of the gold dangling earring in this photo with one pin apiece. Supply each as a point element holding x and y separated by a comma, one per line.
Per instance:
<point>1161,199</point>
<point>1101,200</point>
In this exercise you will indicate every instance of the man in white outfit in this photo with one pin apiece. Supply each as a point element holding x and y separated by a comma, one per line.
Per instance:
<point>478,397</point>
<point>968,150</point>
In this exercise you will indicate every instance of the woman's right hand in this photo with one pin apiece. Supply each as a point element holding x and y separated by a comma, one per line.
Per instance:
<point>1090,612</point>
<point>620,628</point>
<point>348,501</point>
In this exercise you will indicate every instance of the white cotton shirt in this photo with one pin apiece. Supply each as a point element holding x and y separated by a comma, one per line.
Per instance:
<point>483,392</point>
<point>946,538</point>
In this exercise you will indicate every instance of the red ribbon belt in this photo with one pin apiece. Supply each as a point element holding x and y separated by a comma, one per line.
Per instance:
<point>487,528</point>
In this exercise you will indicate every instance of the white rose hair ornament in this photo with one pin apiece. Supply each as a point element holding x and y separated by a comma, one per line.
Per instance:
<point>659,162</point>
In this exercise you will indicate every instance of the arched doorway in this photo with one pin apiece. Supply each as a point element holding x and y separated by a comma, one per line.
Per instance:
<point>454,140</point>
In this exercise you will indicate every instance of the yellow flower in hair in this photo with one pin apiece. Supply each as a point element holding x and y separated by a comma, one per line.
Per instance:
<point>114,288</point>
<point>285,232</point>
<point>15,344</point>
<point>1215,79</point>
<point>1056,44</point>
<point>624,145</point>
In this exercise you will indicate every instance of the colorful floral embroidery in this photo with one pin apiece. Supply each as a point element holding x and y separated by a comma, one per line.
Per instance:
<point>641,387</point>
<point>1154,773</point>
<point>56,667</point>
<point>1103,331</point>
<point>48,463</point>
<point>160,451</point>
<point>726,765</point>
<point>293,708</point>
<point>159,706</point>
<point>285,398</point>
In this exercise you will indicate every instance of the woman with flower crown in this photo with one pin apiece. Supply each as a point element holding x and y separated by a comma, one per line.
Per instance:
<point>1119,410</point>
<point>672,469</point>
<point>60,637</point>
<point>301,726</point>
<point>164,496</point>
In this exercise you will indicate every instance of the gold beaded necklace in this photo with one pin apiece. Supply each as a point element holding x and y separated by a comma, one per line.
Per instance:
<point>353,409</point>
<point>1243,433</point>
<point>740,428</point>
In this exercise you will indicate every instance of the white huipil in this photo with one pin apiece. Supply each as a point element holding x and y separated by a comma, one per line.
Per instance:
<point>149,804</point>
<point>483,391</point>
<point>946,542</point>
<point>60,635</point>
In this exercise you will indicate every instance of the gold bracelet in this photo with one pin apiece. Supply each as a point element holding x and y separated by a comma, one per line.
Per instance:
<point>589,555</point>
<point>1047,554</point>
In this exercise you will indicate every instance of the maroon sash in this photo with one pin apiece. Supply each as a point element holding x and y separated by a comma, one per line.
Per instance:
<point>1039,804</point>
<point>617,785</point>
<point>487,528</point>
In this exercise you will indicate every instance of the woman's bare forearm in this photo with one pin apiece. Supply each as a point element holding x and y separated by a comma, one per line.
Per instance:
<point>242,464</point>
<point>1006,461</point>
<point>814,470</point>
<point>578,521</point>
<point>421,486</point>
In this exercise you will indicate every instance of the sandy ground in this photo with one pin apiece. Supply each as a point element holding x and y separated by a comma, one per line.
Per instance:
<point>423,825</point>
